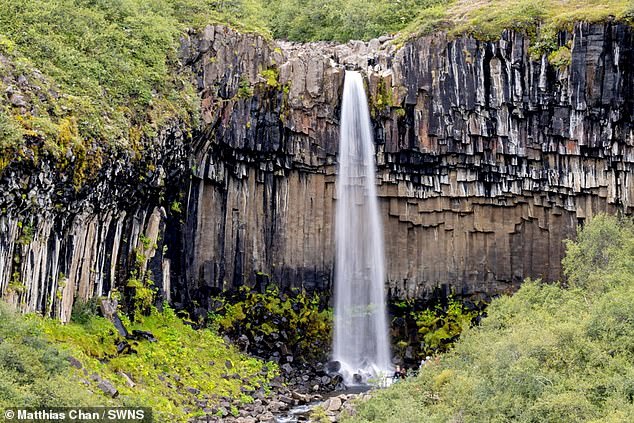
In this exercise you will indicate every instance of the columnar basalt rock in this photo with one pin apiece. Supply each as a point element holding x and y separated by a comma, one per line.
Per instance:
<point>487,158</point>
<point>58,244</point>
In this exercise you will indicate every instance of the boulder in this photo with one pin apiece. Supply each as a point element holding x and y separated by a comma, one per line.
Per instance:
<point>108,388</point>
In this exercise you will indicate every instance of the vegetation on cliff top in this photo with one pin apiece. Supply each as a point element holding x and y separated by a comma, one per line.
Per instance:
<point>547,353</point>
<point>79,76</point>
<point>486,19</point>
<point>342,20</point>
<point>183,368</point>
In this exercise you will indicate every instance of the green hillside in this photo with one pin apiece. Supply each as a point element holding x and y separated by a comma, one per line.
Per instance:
<point>80,77</point>
<point>46,364</point>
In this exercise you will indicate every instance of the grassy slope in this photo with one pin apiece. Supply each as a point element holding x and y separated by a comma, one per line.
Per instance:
<point>545,354</point>
<point>35,370</point>
<point>99,73</point>
<point>487,19</point>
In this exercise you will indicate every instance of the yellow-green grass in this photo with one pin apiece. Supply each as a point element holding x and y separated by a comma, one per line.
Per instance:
<point>181,358</point>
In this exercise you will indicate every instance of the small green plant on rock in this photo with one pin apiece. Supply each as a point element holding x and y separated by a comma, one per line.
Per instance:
<point>441,326</point>
<point>561,58</point>
<point>296,318</point>
<point>142,294</point>
<point>271,77</point>
<point>244,88</point>
<point>176,207</point>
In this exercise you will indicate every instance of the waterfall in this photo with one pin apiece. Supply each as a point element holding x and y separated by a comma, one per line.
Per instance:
<point>361,340</point>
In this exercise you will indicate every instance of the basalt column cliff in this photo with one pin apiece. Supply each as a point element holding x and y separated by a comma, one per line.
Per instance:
<point>487,157</point>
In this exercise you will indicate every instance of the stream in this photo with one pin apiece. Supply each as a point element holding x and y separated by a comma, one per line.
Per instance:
<point>301,413</point>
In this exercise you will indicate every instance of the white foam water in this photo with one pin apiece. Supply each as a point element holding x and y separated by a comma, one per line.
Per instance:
<point>361,338</point>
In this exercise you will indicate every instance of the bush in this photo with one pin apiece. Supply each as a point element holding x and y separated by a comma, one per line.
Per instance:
<point>547,353</point>
<point>427,329</point>
<point>600,253</point>
<point>83,311</point>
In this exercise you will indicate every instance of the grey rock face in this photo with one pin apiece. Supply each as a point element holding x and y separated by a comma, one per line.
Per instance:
<point>58,244</point>
<point>487,158</point>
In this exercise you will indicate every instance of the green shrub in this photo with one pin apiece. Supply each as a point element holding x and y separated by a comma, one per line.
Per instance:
<point>83,311</point>
<point>421,330</point>
<point>442,326</point>
<point>546,354</point>
<point>600,253</point>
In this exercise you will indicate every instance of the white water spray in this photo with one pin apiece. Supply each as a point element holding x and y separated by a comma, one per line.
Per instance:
<point>361,340</point>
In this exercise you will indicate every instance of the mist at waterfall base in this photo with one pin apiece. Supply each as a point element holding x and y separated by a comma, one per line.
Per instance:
<point>361,341</point>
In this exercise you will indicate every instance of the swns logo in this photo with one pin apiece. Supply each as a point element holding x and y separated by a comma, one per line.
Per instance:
<point>126,414</point>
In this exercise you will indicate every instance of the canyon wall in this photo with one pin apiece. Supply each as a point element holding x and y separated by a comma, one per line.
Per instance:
<point>487,158</point>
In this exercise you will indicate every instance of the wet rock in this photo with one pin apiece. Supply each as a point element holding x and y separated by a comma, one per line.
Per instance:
<point>142,334</point>
<point>243,342</point>
<point>332,367</point>
<point>266,418</point>
<point>285,399</point>
<point>302,399</point>
<point>275,406</point>
<point>332,404</point>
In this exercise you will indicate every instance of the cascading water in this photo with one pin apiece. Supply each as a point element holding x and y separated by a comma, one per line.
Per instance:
<point>361,340</point>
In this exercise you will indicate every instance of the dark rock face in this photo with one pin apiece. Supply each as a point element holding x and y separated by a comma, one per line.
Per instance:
<point>58,243</point>
<point>487,159</point>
